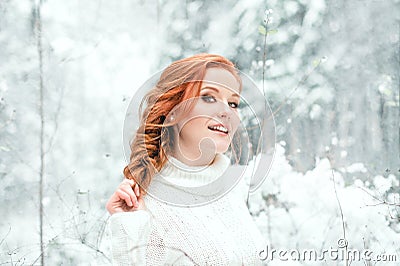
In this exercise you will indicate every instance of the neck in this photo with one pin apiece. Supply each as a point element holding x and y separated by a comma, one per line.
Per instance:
<point>200,159</point>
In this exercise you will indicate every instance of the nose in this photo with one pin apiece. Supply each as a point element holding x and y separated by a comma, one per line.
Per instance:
<point>223,115</point>
<point>225,111</point>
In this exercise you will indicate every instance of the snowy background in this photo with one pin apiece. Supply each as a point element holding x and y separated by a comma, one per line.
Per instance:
<point>331,72</point>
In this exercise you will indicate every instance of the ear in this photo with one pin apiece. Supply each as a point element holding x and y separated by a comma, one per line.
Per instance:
<point>170,117</point>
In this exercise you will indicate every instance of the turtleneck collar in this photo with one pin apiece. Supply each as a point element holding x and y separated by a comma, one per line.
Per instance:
<point>178,173</point>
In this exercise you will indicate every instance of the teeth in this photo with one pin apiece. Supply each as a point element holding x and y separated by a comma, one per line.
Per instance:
<point>219,128</point>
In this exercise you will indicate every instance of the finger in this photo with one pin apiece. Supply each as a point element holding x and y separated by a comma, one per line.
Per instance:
<point>129,190</point>
<point>129,182</point>
<point>125,196</point>
<point>127,185</point>
<point>137,191</point>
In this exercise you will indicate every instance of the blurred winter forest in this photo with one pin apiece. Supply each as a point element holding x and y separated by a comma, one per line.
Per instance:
<point>68,70</point>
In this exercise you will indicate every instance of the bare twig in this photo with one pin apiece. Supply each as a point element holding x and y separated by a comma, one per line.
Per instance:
<point>342,217</point>
<point>303,80</point>
<point>267,20</point>
<point>287,97</point>
<point>58,110</point>
<point>75,223</point>
<point>96,249</point>
<point>366,247</point>
<point>380,201</point>
<point>38,27</point>
<point>4,238</point>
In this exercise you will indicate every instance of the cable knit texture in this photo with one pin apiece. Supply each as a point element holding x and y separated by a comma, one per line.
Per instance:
<point>219,233</point>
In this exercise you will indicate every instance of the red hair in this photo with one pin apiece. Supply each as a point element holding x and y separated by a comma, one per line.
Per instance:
<point>180,81</point>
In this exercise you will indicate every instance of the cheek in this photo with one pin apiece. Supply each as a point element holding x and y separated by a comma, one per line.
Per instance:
<point>194,116</point>
<point>235,122</point>
<point>193,128</point>
<point>201,109</point>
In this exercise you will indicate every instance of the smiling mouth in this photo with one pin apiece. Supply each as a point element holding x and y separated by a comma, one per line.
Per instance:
<point>219,128</point>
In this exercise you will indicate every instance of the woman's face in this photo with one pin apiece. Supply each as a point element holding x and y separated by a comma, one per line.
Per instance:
<point>209,127</point>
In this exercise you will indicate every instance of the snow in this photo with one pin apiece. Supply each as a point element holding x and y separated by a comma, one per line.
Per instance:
<point>382,184</point>
<point>356,167</point>
<point>97,54</point>
<point>315,112</point>
<point>310,215</point>
<point>291,7</point>
<point>3,85</point>
<point>62,45</point>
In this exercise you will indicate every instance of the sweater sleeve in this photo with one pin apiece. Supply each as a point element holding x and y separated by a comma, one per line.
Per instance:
<point>130,233</point>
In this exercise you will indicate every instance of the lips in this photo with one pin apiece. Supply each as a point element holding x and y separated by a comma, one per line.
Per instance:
<point>219,128</point>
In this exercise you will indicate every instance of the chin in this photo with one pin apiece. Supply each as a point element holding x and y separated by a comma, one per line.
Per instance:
<point>222,145</point>
<point>222,148</point>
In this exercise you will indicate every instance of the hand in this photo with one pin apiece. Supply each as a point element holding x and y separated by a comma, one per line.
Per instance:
<point>126,198</point>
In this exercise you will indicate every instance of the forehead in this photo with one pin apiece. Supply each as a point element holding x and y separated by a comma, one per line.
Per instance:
<point>221,79</point>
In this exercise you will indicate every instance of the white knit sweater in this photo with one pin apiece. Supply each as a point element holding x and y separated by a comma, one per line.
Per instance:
<point>218,233</point>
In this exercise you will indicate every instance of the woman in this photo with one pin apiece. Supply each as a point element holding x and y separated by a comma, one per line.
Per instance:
<point>188,124</point>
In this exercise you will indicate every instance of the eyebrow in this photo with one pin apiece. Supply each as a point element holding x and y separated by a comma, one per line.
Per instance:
<point>215,89</point>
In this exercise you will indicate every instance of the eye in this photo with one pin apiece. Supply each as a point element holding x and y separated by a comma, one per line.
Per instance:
<point>233,104</point>
<point>208,98</point>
